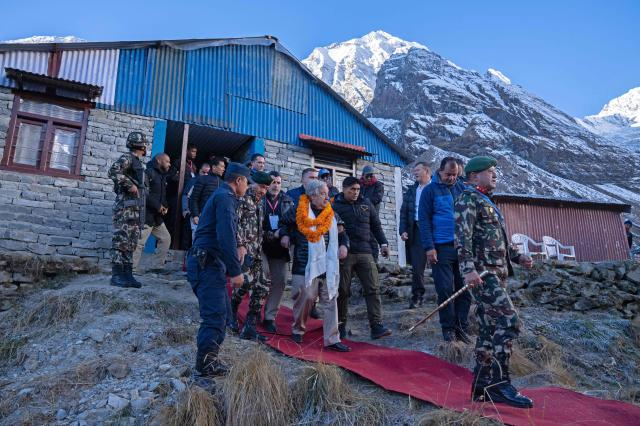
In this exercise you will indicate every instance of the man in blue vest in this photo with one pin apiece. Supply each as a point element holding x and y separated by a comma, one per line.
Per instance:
<point>209,264</point>
<point>437,233</point>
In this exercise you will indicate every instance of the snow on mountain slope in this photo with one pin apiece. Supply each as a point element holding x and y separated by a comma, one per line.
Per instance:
<point>46,39</point>
<point>432,108</point>
<point>619,120</point>
<point>350,67</point>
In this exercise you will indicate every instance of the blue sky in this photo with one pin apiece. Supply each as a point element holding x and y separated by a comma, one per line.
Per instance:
<point>575,54</point>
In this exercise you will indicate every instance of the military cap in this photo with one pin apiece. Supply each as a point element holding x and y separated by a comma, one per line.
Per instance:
<point>368,170</point>
<point>238,169</point>
<point>323,172</point>
<point>480,164</point>
<point>261,178</point>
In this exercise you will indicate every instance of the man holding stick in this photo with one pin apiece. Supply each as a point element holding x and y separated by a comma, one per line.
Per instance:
<point>483,246</point>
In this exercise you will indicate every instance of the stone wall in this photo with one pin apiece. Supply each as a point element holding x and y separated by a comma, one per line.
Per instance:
<point>584,286</point>
<point>52,216</point>
<point>290,160</point>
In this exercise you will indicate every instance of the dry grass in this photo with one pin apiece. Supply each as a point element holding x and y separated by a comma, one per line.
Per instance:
<point>256,392</point>
<point>180,335</point>
<point>546,356</point>
<point>322,390</point>
<point>427,329</point>
<point>447,417</point>
<point>195,406</point>
<point>455,352</point>
<point>11,349</point>
<point>67,384</point>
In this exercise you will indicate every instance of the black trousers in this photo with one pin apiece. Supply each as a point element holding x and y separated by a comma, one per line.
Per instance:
<point>418,262</point>
<point>447,279</point>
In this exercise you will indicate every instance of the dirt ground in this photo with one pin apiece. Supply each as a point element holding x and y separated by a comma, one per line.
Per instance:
<point>77,351</point>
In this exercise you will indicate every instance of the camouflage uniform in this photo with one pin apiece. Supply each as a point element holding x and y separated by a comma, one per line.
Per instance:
<point>250,234</point>
<point>483,246</point>
<point>128,209</point>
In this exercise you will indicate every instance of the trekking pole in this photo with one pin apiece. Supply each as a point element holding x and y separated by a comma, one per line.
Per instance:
<point>446,302</point>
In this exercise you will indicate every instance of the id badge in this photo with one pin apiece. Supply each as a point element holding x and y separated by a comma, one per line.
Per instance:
<point>273,221</point>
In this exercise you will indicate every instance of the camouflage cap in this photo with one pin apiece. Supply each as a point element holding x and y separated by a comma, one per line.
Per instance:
<point>480,164</point>
<point>261,178</point>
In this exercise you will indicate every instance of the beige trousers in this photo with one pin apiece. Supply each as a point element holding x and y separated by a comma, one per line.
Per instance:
<point>303,299</point>
<point>164,242</point>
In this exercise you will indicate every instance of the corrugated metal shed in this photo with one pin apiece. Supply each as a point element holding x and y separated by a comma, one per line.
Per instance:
<point>250,86</point>
<point>594,229</point>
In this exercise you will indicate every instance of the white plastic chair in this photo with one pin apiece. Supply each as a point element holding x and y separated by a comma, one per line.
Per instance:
<point>524,244</point>
<point>554,249</point>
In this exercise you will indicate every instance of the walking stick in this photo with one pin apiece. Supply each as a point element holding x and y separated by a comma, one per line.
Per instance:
<point>446,302</point>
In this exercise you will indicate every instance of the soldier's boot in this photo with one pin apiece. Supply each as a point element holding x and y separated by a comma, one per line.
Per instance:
<point>208,364</point>
<point>119,276</point>
<point>501,390</point>
<point>233,321</point>
<point>481,379</point>
<point>249,331</point>
<point>130,278</point>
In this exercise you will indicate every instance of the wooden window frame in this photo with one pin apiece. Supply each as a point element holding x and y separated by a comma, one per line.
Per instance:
<point>50,124</point>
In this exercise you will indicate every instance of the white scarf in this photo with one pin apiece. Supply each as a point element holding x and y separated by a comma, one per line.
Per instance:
<point>324,259</point>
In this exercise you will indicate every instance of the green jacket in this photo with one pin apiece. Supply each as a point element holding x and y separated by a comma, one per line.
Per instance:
<point>481,236</point>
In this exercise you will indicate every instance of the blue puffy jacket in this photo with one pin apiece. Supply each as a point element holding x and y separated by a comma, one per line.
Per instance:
<point>435,217</point>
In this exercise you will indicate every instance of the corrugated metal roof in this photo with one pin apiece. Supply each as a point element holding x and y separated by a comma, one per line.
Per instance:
<point>36,62</point>
<point>252,86</point>
<point>98,67</point>
<point>562,202</point>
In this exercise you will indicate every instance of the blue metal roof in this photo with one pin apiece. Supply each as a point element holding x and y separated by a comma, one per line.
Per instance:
<point>249,86</point>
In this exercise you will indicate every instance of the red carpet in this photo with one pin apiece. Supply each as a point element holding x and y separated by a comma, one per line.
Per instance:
<point>431,379</point>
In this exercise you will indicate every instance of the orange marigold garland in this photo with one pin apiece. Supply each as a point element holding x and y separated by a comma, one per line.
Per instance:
<point>322,222</point>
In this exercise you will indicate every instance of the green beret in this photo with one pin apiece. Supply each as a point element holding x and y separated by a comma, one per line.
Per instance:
<point>480,164</point>
<point>261,178</point>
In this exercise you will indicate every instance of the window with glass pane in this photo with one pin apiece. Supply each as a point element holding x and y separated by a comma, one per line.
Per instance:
<point>51,110</point>
<point>28,144</point>
<point>63,150</point>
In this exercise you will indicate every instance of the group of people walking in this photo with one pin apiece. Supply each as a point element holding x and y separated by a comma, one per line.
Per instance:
<point>246,231</point>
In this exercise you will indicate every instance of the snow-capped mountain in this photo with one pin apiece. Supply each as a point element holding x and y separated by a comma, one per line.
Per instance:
<point>619,120</point>
<point>350,67</point>
<point>46,39</point>
<point>433,108</point>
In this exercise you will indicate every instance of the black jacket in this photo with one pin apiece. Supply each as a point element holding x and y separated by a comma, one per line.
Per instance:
<point>301,244</point>
<point>407,217</point>
<point>203,188</point>
<point>360,220</point>
<point>157,193</point>
<point>270,246</point>
<point>373,193</point>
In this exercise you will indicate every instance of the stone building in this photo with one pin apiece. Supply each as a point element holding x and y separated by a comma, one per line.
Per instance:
<point>66,109</point>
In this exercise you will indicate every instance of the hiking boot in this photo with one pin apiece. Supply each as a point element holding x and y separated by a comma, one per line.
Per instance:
<point>378,330</point>
<point>233,321</point>
<point>415,302</point>
<point>269,326</point>
<point>296,338</point>
<point>208,365</point>
<point>501,390</point>
<point>448,335</point>
<point>315,314</point>
<point>481,379</point>
<point>119,276</point>
<point>342,329</point>
<point>249,331</point>
<point>133,283</point>
<point>462,336</point>
<point>339,347</point>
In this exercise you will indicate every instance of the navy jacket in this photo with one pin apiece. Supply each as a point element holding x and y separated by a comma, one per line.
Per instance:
<point>435,216</point>
<point>295,194</point>
<point>157,193</point>
<point>203,187</point>
<point>217,229</point>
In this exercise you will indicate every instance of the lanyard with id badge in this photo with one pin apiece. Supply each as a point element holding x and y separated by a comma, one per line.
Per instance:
<point>273,218</point>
